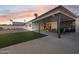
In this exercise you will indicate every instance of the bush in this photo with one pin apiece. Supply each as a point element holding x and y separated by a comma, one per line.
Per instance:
<point>1,28</point>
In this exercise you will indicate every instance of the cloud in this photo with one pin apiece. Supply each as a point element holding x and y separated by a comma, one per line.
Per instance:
<point>40,10</point>
<point>19,11</point>
<point>23,11</point>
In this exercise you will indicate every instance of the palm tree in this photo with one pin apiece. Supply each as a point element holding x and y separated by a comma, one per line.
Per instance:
<point>36,15</point>
<point>24,22</point>
<point>11,21</point>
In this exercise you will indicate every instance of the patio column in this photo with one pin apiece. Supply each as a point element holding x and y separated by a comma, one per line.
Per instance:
<point>58,26</point>
<point>39,26</point>
<point>74,26</point>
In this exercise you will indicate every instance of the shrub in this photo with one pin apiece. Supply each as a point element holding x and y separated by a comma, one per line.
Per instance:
<point>1,28</point>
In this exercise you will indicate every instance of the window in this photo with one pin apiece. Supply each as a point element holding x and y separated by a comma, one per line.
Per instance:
<point>26,25</point>
<point>29,25</point>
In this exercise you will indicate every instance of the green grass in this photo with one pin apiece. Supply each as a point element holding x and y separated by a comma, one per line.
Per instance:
<point>18,37</point>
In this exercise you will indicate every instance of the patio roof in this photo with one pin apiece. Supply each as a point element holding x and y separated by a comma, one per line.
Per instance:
<point>58,9</point>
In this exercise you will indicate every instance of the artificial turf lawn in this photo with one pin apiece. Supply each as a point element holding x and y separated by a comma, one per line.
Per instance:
<point>18,37</point>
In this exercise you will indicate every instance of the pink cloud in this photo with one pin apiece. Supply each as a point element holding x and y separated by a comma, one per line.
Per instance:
<point>40,10</point>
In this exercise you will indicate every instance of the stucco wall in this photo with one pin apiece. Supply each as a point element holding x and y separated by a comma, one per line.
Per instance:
<point>54,25</point>
<point>28,27</point>
<point>13,27</point>
<point>36,26</point>
<point>77,25</point>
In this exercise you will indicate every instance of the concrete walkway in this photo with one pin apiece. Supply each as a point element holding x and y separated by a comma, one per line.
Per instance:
<point>69,43</point>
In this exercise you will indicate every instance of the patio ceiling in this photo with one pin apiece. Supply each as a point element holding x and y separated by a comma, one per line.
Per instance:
<point>64,17</point>
<point>66,14</point>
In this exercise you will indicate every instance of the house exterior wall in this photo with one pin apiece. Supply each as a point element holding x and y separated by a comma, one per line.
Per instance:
<point>29,26</point>
<point>54,25</point>
<point>36,25</point>
<point>13,27</point>
<point>77,25</point>
<point>18,24</point>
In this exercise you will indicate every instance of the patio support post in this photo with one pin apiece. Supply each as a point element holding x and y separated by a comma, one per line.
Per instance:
<point>58,22</point>
<point>74,26</point>
<point>39,26</point>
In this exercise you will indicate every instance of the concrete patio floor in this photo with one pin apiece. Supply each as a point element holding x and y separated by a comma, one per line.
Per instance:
<point>68,43</point>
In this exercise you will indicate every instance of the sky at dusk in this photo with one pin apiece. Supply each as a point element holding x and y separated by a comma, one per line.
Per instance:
<point>26,12</point>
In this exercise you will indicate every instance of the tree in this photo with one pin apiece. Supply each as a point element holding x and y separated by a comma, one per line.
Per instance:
<point>24,21</point>
<point>36,15</point>
<point>11,21</point>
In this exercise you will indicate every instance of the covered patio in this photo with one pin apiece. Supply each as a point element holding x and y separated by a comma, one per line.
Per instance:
<point>59,20</point>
